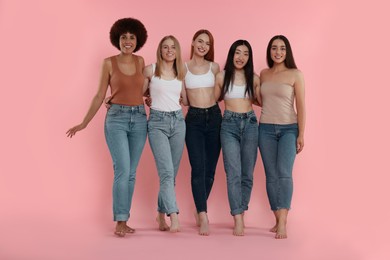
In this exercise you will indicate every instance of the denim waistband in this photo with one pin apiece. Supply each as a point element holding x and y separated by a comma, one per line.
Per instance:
<point>239,115</point>
<point>128,108</point>
<point>199,110</point>
<point>166,113</point>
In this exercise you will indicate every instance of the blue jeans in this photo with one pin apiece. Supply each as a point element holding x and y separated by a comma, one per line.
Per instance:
<point>203,141</point>
<point>125,129</point>
<point>277,145</point>
<point>166,132</point>
<point>239,149</point>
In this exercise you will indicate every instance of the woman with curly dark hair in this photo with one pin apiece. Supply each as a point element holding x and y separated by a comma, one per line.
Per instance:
<point>125,125</point>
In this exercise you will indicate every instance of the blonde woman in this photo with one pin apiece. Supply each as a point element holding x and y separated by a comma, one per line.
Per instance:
<point>166,126</point>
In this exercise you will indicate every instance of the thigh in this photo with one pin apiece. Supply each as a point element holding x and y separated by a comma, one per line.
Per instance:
<point>287,151</point>
<point>268,145</point>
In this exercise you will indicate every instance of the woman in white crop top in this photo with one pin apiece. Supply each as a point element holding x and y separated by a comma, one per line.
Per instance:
<point>166,126</point>
<point>203,123</point>
<point>236,85</point>
<point>281,129</point>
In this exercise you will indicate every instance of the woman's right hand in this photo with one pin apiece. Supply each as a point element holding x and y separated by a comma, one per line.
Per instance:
<point>148,101</point>
<point>72,131</point>
<point>107,102</point>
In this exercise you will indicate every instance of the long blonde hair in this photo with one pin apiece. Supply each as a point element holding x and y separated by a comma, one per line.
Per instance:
<point>178,65</point>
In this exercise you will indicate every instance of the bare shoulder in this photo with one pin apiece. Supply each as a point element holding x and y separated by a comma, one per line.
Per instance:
<point>264,71</point>
<point>141,60</point>
<point>263,74</point>
<point>148,71</point>
<point>297,74</point>
<point>215,67</point>
<point>107,65</point>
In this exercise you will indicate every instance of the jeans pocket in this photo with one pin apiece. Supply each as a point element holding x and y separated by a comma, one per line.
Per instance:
<point>113,112</point>
<point>155,118</point>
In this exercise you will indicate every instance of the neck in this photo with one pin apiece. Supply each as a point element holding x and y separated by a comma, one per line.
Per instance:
<point>198,60</point>
<point>277,67</point>
<point>167,65</point>
<point>126,56</point>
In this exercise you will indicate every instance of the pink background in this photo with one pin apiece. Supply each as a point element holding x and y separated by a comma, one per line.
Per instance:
<point>55,193</point>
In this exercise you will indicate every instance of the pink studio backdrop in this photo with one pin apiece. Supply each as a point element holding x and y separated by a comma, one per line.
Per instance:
<point>55,193</point>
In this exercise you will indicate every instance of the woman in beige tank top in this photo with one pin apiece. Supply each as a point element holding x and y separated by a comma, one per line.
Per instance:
<point>281,129</point>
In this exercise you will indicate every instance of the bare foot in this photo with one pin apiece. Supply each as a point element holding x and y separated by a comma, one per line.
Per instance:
<point>203,224</point>
<point>129,229</point>
<point>281,232</point>
<point>162,224</point>
<point>274,228</point>
<point>197,221</point>
<point>243,218</point>
<point>175,226</point>
<point>120,229</point>
<point>238,225</point>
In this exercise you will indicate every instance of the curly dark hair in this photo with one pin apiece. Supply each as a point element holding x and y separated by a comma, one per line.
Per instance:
<point>128,25</point>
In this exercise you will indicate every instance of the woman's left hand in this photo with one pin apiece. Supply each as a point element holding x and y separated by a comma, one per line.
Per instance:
<point>300,144</point>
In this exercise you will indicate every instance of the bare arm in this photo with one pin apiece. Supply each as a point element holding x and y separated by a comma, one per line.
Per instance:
<point>183,98</point>
<point>218,85</point>
<point>256,86</point>
<point>299,87</point>
<point>215,68</point>
<point>97,99</point>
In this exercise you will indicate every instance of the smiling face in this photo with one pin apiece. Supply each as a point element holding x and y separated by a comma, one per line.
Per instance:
<point>278,51</point>
<point>127,42</point>
<point>241,56</point>
<point>168,50</point>
<point>201,45</point>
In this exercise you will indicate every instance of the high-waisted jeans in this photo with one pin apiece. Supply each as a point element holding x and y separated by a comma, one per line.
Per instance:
<point>239,149</point>
<point>125,130</point>
<point>166,132</point>
<point>203,141</point>
<point>277,145</point>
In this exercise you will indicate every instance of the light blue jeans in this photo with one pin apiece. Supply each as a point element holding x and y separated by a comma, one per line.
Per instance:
<point>239,150</point>
<point>277,145</point>
<point>166,132</point>
<point>125,130</point>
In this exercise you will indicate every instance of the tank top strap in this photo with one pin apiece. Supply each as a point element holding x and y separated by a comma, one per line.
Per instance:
<point>185,63</point>
<point>137,66</point>
<point>114,63</point>
<point>211,65</point>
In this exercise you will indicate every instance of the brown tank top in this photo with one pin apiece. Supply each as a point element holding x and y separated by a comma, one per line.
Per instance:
<point>126,90</point>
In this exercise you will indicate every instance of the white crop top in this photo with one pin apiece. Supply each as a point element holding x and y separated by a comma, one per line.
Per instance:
<point>206,80</point>
<point>236,92</point>
<point>165,94</point>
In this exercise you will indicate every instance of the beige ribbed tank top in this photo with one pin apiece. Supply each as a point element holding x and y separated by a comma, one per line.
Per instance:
<point>277,103</point>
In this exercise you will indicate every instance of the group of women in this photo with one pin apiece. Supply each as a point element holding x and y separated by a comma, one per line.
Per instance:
<point>200,84</point>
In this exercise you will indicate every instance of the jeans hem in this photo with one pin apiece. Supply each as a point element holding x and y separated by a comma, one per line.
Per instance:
<point>121,217</point>
<point>237,212</point>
